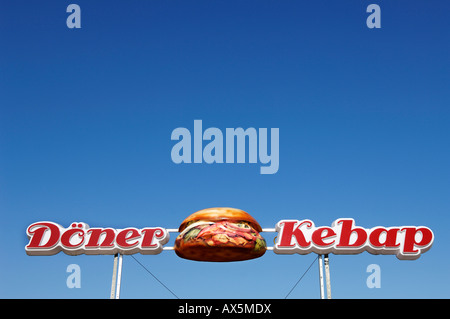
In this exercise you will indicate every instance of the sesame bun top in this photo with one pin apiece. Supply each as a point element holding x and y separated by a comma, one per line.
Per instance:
<point>217,214</point>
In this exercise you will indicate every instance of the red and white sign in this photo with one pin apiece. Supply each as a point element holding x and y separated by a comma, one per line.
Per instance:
<point>345,238</point>
<point>47,238</point>
<point>294,237</point>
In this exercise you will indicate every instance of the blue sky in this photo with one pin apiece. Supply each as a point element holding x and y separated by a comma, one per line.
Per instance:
<point>86,117</point>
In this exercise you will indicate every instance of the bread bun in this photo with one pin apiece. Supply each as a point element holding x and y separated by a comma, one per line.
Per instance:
<point>217,214</point>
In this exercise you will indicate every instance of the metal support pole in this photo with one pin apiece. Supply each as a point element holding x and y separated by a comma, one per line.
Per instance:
<point>327,275</point>
<point>119,276</point>
<point>322,293</point>
<point>114,278</point>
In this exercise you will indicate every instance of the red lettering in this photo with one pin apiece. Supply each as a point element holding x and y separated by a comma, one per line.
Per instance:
<point>69,233</point>
<point>124,236</point>
<point>149,234</point>
<point>96,233</point>
<point>47,238</point>
<point>347,230</point>
<point>318,236</point>
<point>389,242</point>
<point>37,231</point>
<point>289,232</point>
<point>410,238</point>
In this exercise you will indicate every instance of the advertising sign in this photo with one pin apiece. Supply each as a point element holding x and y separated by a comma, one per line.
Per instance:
<point>227,234</point>
<point>48,238</point>
<point>344,238</point>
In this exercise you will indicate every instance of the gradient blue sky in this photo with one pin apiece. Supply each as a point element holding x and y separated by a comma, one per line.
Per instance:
<point>86,117</point>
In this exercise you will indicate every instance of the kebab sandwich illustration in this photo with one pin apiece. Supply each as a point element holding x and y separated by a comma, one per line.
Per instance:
<point>220,234</point>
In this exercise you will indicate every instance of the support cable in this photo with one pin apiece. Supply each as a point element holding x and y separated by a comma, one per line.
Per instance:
<point>154,277</point>
<point>301,277</point>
